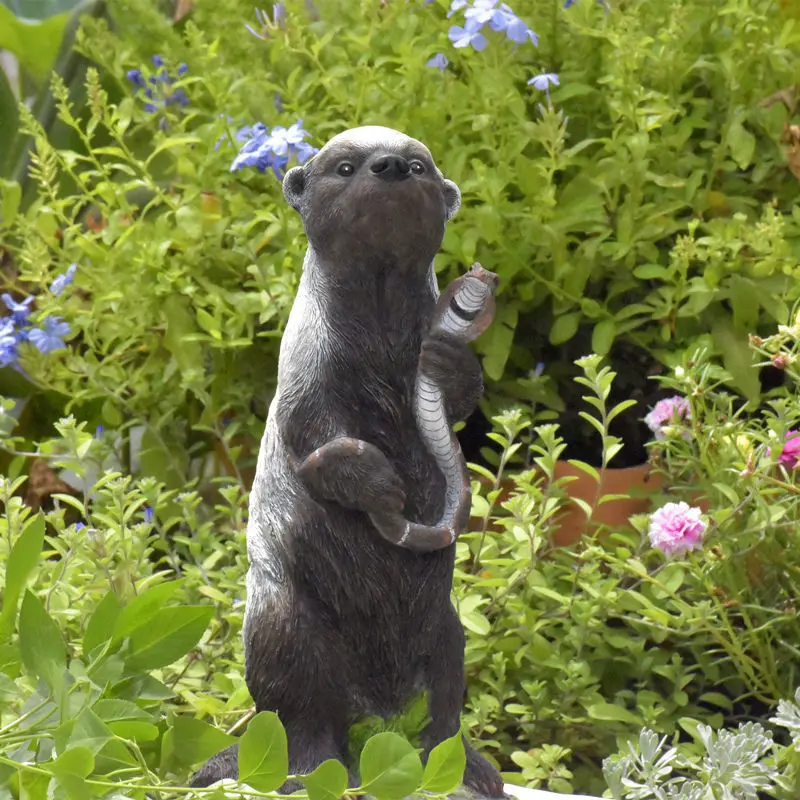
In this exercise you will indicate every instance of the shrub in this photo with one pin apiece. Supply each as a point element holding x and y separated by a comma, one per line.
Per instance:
<point>640,203</point>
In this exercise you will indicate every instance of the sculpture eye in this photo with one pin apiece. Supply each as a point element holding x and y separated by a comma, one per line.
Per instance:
<point>417,167</point>
<point>346,169</point>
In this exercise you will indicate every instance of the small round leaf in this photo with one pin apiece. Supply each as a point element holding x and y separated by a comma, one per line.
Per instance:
<point>390,767</point>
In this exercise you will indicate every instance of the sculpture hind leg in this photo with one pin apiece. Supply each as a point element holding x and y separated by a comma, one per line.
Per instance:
<point>446,688</point>
<point>297,667</point>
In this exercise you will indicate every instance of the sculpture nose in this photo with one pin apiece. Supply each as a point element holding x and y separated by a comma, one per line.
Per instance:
<point>390,168</point>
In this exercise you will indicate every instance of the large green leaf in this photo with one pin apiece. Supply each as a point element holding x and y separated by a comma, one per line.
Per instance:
<point>263,753</point>
<point>40,642</point>
<point>445,768</point>
<point>9,121</point>
<point>35,44</point>
<point>327,782</point>
<point>390,767</point>
<point>25,555</point>
<point>173,633</point>
<point>190,741</point>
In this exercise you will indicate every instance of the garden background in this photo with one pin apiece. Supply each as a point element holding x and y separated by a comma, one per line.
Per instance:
<point>629,169</point>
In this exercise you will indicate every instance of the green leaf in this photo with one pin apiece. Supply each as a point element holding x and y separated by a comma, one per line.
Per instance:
<point>672,577</point>
<point>495,343</point>
<point>40,643</point>
<point>8,690</point>
<point>603,336</point>
<point>263,753</point>
<point>24,557</point>
<point>100,627</point>
<point>175,141</point>
<point>180,324</point>
<point>738,358</point>
<point>144,608</point>
<point>35,44</point>
<point>126,719</point>
<point>190,741</point>
<point>650,272</point>
<point>476,622</point>
<point>742,145</point>
<point>565,327</point>
<point>611,713</point>
<point>33,785</point>
<point>10,196</point>
<point>174,632</point>
<point>90,731</point>
<point>9,125</point>
<point>444,771</point>
<point>390,767</point>
<point>70,770</point>
<point>327,782</point>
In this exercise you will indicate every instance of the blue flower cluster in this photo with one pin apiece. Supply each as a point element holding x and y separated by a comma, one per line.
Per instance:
<point>500,18</point>
<point>15,329</point>
<point>265,149</point>
<point>158,92</point>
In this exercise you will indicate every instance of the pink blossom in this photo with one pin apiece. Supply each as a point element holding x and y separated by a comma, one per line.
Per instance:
<point>790,456</point>
<point>677,528</point>
<point>666,412</point>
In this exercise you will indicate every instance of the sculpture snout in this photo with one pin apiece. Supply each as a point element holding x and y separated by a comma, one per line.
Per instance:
<point>390,168</point>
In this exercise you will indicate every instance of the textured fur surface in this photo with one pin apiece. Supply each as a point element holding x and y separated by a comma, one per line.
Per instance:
<point>339,623</point>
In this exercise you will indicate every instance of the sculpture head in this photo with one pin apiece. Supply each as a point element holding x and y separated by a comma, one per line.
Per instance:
<point>374,196</point>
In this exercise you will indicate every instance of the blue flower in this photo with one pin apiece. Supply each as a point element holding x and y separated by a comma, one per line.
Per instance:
<point>99,431</point>
<point>542,82</point>
<point>19,311</point>
<point>520,33</point>
<point>135,77</point>
<point>439,61</point>
<point>62,281</point>
<point>470,34</point>
<point>278,21</point>
<point>603,3</point>
<point>264,150</point>
<point>148,514</point>
<point>49,339</point>
<point>482,11</point>
<point>79,526</point>
<point>8,348</point>
<point>456,5</point>
<point>158,93</point>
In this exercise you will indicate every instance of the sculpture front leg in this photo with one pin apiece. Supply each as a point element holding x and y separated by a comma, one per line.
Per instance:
<point>355,474</point>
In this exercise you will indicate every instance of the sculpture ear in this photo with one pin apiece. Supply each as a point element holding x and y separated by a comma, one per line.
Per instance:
<point>294,183</point>
<point>452,198</point>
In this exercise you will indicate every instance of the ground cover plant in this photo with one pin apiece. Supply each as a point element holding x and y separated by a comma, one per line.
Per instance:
<point>628,169</point>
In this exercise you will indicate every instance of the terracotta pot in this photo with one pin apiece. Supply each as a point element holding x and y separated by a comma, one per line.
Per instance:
<point>634,485</point>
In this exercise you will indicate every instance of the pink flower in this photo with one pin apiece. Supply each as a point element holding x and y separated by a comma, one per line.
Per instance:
<point>666,412</point>
<point>790,456</point>
<point>677,528</point>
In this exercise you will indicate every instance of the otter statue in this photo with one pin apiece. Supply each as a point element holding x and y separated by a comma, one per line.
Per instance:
<point>354,510</point>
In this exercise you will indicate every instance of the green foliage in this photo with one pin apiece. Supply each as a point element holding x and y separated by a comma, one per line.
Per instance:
<point>126,639</point>
<point>744,764</point>
<point>647,209</point>
<point>570,650</point>
<point>645,204</point>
